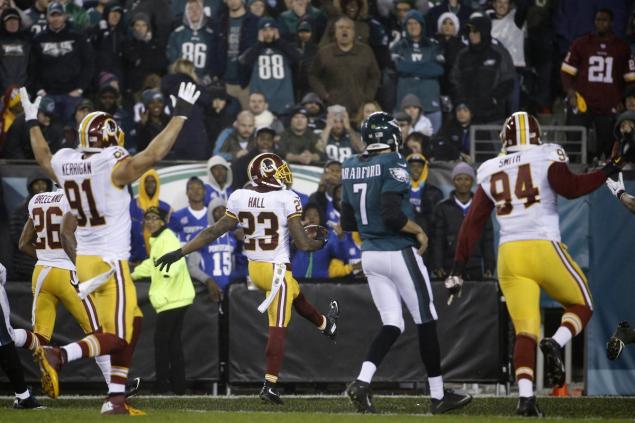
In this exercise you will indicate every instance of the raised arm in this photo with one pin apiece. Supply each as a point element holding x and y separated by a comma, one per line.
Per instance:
<point>40,147</point>
<point>67,235</point>
<point>131,169</point>
<point>300,238</point>
<point>619,191</point>
<point>27,238</point>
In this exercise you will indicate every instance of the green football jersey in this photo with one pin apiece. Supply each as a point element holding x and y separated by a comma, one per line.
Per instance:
<point>364,179</point>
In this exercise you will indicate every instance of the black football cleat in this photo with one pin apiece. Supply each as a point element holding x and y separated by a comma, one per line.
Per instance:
<point>623,335</point>
<point>269,393</point>
<point>528,407</point>
<point>331,320</point>
<point>450,401</point>
<point>554,366</point>
<point>29,403</point>
<point>132,387</point>
<point>361,396</point>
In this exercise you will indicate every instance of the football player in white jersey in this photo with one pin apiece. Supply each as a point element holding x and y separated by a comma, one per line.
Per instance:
<point>522,184</point>
<point>94,176</point>
<point>54,279</point>
<point>268,213</point>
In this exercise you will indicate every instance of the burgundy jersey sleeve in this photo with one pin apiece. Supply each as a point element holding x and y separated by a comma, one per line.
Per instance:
<point>472,225</point>
<point>570,185</point>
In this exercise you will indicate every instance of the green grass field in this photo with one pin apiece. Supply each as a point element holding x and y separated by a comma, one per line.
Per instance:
<point>331,409</point>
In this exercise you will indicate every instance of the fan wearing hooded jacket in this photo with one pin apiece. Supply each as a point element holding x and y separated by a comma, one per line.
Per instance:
<point>220,177</point>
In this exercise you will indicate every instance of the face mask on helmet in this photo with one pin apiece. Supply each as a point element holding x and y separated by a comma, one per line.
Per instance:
<point>520,131</point>
<point>99,130</point>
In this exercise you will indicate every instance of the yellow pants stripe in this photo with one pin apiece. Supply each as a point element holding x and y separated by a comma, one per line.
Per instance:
<point>580,280</point>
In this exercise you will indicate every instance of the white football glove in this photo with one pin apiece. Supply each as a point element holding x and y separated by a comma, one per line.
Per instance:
<point>616,187</point>
<point>30,108</point>
<point>453,284</point>
<point>3,274</point>
<point>187,96</point>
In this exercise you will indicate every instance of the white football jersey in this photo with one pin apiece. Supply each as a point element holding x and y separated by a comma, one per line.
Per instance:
<point>517,183</point>
<point>47,210</point>
<point>101,208</point>
<point>263,216</point>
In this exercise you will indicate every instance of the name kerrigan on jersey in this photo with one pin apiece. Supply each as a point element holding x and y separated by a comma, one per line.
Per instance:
<point>76,168</point>
<point>361,172</point>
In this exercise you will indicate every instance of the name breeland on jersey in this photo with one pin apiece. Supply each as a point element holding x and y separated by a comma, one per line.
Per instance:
<point>361,172</point>
<point>48,198</point>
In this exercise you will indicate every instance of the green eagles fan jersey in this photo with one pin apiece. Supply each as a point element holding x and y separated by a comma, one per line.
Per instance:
<point>364,179</point>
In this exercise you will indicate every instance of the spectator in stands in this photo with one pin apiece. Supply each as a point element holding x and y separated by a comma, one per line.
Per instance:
<point>95,14</point>
<point>192,142</point>
<point>194,41</point>
<point>109,101</point>
<point>298,143</point>
<point>540,51</point>
<point>149,192</point>
<point>171,293</point>
<point>220,178</point>
<point>307,48</point>
<point>210,7</point>
<point>159,13</point>
<point>453,139</point>
<point>302,10</point>
<point>62,66</point>
<point>331,178</point>
<point>448,30</point>
<point>419,64</point>
<point>142,54</point>
<point>77,15</point>
<point>338,140</point>
<point>395,23</point>
<point>508,27</point>
<point>270,61</point>
<point>153,118</point>
<point>221,112</point>
<point>319,264</point>
<point>22,263</point>
<point>259,107</point>
<point>108,41</point>
<point>418,143</point>
<point>317,112</point>
<point>213,265</point>
<point>15,50</point>
<point>448,216</point>
<point>594,74</point>
<point>423,195</point>
<point>37,16</point>
<point>630,34</point>
<point>264,144</point>
<point>458,8</point>
<point>84,107</point>
<point>629,99</point>
<point>411,104</point>
<point>345,72</point>
<point>189,221</point>
<point>483,73</point>
<point>366,109</point>
<point>235,142</point>
<point>367,29</point>
<point>10,109</point>
<point>17,144</point>
<point>405,123</point>
<point>258,8</point>
<point>237,30</point>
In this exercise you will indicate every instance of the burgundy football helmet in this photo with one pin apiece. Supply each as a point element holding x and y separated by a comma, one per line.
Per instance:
<point>268,169</point>
<point>97,131</point>
<point>520,130</point>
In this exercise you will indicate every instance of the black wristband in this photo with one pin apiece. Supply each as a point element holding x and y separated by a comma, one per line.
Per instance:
<point>31,124</point>
<point>610,169</point>
<point>182,108</point>
<point>619,194</point>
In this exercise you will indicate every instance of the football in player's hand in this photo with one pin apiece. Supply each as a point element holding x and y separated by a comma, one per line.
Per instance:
<point>318,232</point>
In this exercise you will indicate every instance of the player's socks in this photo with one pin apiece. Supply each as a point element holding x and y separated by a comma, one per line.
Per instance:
<point>379,348</point>
<point>525,388</point>
<point>429,349</point>
<point>92,346</point>
<point>116,388</point>
<point>103,362</point>
<point>274,352</point>
<point>436,387</point>
<point>525,359</point>
<point>10,363</point>
<point>307,310</point>
<point>26,339</point>
<point>572,323</point>
<point>367,372</point>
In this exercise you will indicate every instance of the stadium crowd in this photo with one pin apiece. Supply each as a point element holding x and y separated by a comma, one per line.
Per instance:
<point>297,79</point>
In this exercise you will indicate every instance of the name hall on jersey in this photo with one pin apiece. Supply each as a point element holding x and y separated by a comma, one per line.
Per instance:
<point>361,172</point>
